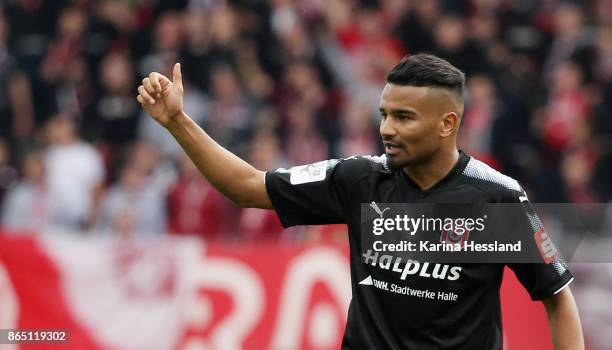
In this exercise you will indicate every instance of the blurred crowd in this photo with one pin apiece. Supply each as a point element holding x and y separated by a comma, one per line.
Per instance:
<point>281,82</point>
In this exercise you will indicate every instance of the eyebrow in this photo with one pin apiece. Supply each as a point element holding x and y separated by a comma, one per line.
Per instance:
<point>399,111</point>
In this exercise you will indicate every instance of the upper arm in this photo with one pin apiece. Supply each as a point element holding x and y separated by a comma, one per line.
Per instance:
<point>315,194</point>
<point>564,320</point>
<point>259,197</point>
<point>553,301</point>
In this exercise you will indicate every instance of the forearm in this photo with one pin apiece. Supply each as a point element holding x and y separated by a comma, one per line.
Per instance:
<point>232,176</point>
<point>564,321</point>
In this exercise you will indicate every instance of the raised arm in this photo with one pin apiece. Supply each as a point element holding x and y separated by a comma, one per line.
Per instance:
<point>235,178</point>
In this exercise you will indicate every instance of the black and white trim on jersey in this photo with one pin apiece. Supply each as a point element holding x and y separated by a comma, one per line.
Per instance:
<point>382,160</point>
<point>479,170</point>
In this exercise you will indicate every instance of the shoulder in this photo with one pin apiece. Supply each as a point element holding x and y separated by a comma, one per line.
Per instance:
<point>348,170</point>
<point>502,187</point>
<point>358,167</point>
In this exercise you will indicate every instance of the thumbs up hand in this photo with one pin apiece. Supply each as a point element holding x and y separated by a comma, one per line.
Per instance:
<point>162,98</point>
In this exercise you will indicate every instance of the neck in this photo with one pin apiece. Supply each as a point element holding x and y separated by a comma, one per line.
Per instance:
<point>427,174</point>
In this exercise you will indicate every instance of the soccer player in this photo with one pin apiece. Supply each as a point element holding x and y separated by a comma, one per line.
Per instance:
<point>421,108</point>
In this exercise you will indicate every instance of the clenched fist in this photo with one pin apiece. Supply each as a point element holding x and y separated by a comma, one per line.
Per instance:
<point>162,98</point>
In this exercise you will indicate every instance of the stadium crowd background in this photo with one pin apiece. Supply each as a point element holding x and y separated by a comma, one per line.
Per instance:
<point>281,83</point>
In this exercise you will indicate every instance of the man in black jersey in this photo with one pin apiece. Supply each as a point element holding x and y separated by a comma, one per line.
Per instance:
<point>421,108</point>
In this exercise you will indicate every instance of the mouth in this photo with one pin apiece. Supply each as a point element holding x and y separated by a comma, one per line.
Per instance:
<point>391,148</point>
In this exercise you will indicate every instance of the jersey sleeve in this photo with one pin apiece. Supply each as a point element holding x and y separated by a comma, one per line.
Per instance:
<point>551,274</point>
<point>313,194</point>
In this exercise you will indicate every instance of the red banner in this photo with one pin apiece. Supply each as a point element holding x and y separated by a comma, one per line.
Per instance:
<point>180,293</point>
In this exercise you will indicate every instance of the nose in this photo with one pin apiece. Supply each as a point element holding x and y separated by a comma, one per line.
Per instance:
<point>387,128</point>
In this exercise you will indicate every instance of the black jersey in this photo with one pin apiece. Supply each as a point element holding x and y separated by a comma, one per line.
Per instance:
<point>468,315</point>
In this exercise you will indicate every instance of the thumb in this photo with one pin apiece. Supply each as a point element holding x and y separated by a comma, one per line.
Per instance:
<point>177,76</point>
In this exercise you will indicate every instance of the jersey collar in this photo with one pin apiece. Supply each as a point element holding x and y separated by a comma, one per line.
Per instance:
<point>454,173</point>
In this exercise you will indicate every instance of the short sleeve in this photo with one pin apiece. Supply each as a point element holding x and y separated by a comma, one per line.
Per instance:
<point>549,276</point>
<point>311,194</point>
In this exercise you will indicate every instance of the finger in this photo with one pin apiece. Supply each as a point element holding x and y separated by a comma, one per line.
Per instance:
<point>154,77</point>
<point>177,76</point>
<point>144,101</point>
<point>145,95</point>
<point>146,82</point>
<point>165,83</point>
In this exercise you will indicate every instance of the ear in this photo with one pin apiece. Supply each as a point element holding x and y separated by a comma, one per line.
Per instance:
<point>449,124</point>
